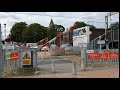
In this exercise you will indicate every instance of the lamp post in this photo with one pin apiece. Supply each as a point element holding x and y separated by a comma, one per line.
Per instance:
<point>106,31</point>
<point>5,33</point>
<point>106,27</point>
<point>5,30</point>
<point>1,55</point>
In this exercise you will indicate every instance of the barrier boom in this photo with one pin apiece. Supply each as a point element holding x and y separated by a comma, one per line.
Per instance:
<point>41,40</point>
<point>58,36</point>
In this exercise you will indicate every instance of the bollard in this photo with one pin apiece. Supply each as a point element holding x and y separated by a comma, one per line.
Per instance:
<point>53,66</point>
<point>74,68</point>
<point>82,64</point>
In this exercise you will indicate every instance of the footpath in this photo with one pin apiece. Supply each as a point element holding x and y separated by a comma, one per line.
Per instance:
<point>105,73</point>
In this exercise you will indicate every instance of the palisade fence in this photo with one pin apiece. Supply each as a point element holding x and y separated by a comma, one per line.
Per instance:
<point>11,65</point>
<point>103,58</point>
<point>17,59</point>
<point>99,57</point>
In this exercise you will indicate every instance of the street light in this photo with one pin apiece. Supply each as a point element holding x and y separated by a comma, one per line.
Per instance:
<point>106,27</point>
<point>1,55</point>
<point>5,34</point>
<point>5,30</point>
<point>106,31</point>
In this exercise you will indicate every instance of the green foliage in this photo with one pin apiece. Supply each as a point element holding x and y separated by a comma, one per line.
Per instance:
<point>34,33</point>
<point>17,30</point>
<point>80,24</point>
<point>114,26</point>
<point>21,32</point>
<point>52,32</point>
<point>83,24</point>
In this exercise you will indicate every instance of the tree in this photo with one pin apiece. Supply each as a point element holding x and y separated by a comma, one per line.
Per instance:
<point>17,30</point>
<point>34,33</point>
<point>80,24</point>
<point>52,32</point>
<point>114,26</point>
<point>83,24</point>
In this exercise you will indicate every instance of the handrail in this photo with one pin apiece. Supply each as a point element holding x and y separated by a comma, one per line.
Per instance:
<point>100,35</point>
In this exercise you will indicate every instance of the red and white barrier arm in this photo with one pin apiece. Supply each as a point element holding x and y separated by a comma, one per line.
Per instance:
<point>58,36</point>
<point>41,40</point>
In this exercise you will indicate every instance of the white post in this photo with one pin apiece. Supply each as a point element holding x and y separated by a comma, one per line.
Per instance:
<point>74,68</point>
<point>53,66</point>
<point>83,57</point>
<point>100,43</point>
<point>87,28</point>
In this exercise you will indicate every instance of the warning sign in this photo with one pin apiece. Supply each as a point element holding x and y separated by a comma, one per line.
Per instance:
<point>26,59</point>
<point>14,55</point>
<point>103,56</point>
<point>93,55</point>
<point>113,55</point>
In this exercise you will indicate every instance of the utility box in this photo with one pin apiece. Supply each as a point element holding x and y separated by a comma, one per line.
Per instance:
<point>28,58</point>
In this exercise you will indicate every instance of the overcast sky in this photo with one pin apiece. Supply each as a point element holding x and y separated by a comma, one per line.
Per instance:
<point>43,18</point>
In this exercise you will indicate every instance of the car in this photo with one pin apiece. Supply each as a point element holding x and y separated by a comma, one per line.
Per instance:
<point>45,49</point>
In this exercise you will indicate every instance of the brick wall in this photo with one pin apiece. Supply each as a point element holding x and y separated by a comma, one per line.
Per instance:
<point>96,32</point>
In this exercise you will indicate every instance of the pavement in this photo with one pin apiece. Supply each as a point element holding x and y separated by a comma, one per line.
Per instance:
<point>98,73</point>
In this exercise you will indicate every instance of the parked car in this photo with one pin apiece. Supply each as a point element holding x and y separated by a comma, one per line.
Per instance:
<point>45,49</point>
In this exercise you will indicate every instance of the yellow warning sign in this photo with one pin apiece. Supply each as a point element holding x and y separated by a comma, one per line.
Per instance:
<point>26,59</point>
<point>26,56</point>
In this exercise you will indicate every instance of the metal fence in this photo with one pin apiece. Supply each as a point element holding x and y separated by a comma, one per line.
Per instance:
<point>13,60</point>
<point>10,66</point>
<point>105,61</point>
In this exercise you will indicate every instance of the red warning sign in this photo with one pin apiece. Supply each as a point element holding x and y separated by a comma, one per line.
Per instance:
<point>93,55</point>
<point>113,55</point>
<point>14,55</point>
<point>103,56</point>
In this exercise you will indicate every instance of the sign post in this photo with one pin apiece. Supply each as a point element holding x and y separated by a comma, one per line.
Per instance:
<point>100,42</point>
<point>83,47</point>
<point>1,54</point>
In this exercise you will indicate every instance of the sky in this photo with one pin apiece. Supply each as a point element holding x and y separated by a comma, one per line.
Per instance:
<point>65,19</point>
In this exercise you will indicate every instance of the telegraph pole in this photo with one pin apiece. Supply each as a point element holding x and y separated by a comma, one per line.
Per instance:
<point>1,54</point>
<point>106,31</point>
<point>5,30</point>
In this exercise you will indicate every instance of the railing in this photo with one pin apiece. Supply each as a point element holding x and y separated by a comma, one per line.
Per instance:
<point>10,66</point>
<point>108,60</point>
<point>113,35</point>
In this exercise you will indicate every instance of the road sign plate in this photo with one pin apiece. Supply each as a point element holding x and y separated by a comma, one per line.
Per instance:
<point>101,42</point>
<point>89,51</point>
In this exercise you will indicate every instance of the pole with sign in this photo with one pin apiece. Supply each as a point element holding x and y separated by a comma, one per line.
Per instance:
<point>83,47</point>
<point>1,55</point>
<point>100,42</point>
